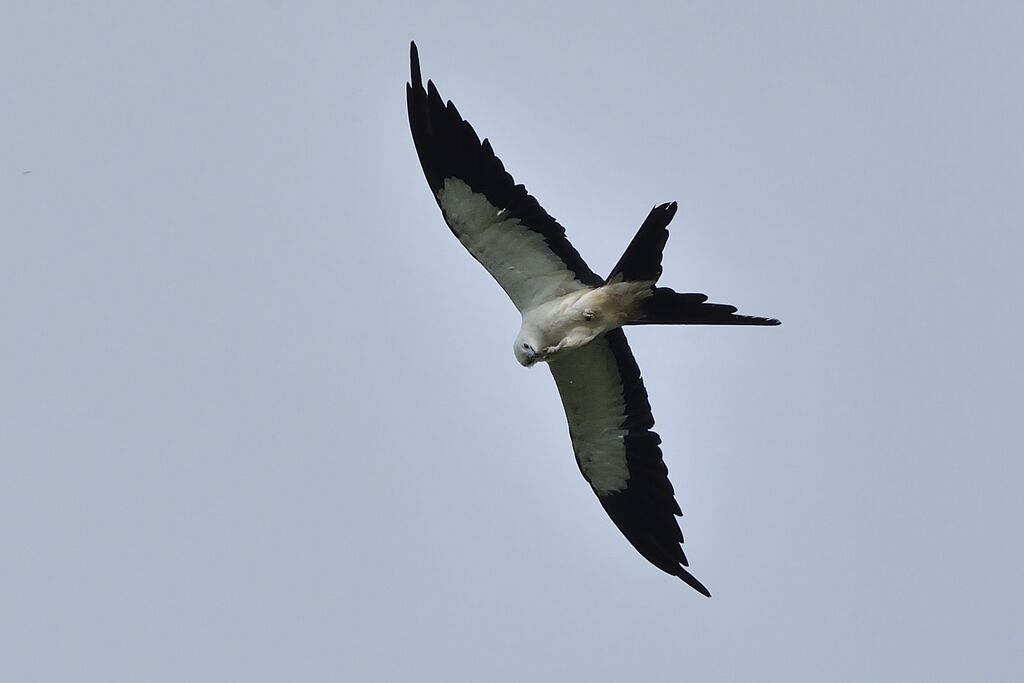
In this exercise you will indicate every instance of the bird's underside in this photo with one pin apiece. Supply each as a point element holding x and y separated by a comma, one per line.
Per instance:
<point>572,318</point>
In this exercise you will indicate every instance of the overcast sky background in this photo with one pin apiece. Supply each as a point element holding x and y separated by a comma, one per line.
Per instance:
<point>259,414</point>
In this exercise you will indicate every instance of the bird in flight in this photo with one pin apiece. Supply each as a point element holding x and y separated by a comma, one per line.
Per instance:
<point>572,318</point>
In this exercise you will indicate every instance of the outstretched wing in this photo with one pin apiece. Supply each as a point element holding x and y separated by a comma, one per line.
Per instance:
<point>610,425</point>
<point>501,225</point>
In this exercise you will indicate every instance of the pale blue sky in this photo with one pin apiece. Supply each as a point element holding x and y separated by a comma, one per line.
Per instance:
<point>259,415</point>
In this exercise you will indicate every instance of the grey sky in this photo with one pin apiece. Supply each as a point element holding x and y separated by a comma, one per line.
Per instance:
<point>259,414</point>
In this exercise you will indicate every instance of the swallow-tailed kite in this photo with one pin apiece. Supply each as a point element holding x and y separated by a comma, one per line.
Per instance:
<point>572,318</point>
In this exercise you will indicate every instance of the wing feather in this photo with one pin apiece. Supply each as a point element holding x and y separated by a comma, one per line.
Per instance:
<point>497,220</point>
<point>619,454</point>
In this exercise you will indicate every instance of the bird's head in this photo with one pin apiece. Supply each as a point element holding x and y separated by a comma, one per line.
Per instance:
<point>526,350</point>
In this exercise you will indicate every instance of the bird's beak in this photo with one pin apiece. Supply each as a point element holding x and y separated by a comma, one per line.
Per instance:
<point>531,359</point>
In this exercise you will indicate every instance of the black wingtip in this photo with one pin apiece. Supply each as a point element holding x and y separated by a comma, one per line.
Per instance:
<point>691,581</point>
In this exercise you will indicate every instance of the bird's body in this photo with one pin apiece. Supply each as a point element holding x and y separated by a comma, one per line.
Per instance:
<point>572,318</point>
<point>560,325</point>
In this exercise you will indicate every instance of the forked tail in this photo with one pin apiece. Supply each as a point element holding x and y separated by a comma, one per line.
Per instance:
<point>641,262</point>
<point>642,259</point>
<point>666,307</point>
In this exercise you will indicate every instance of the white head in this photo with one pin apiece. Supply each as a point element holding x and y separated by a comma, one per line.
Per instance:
<point>527,349</point>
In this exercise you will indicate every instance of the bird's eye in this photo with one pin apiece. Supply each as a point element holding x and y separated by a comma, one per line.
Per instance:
<point>526,346</point>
